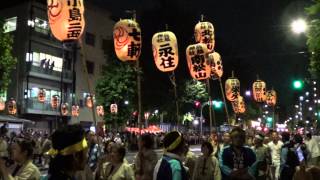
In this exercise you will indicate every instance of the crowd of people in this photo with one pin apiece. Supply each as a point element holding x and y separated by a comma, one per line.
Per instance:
<point>71,153</point>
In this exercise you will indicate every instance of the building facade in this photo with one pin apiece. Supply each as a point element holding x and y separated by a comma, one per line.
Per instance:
<point>47,64</point>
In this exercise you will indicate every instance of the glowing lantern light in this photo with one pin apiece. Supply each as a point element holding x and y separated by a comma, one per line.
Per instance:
<point>100,110</point>
<point>2,104</point>
<point>271,97</point>
<point>89,101</point>
<point>127,40</point>
<point>165,51</point>
<point>216,65</point>
<point>66,19</point>
<point>12,107</point>
<point>204,33</point>
<point>41,95</point>
<point>198,65</point>
<point>259,91</point>
<point>75,111</point>
<point>64,109</point>
<point>114,108</point>
<point>232,87</point>
<point>238,105</point>
<point>54,101</point>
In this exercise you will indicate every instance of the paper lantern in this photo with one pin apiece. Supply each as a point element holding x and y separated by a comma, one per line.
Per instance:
<point>75,111</point>
<point>12,107</point>
<point>271,97</point>
<point>127,40</point>
<point>259,91</point>
<point>2,104</point>
<point>238,105</point>
<point>54,101</point>
<point>100,110</point>
<point>204,33</point>
<point>198,65</point>
<point>64,109</point>
<point>41,95</point>
<point>114,108</point>
<point>66,19</point>
<point>216,65</point>
<point>89,101</point>
<point>165,51</point>
<point>232,88</point>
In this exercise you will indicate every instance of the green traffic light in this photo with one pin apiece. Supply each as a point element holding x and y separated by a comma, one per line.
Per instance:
<point>297,84</point>
<point>217,104</point>
<point>269,119</point>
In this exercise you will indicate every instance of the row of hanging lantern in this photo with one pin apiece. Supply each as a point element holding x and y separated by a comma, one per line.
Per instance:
<point>260,93</point>
<point>11,106</point>
<point>232,90</point>
<point>75,110</point>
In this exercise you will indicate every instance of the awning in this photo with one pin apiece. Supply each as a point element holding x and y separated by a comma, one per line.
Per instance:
<point>13,119</point>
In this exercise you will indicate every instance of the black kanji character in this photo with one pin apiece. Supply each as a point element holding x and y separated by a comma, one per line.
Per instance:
<point>160,38</point>
<point>199,50</point>
<point>198,67</point>
<point>201,74</point>
<point>197,59</point>
<point>74,14</point>
<point>166,37</point>
<point>74,3</point>
<point>167,62</point>
<point>133,49</point>
<point>135,34</point>
<point>74,30</point>
<point>207,32</point>
<point>165,50</point>
<point>192,51</point>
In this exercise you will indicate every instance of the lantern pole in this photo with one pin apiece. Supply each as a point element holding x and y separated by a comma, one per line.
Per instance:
<point>61,81</point>
<point>224,100</point>
<point>211,112</point>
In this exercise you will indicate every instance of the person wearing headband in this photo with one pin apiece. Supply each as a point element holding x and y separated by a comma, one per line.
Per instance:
<point>69,152</point>
<point>263,154</point>
<point>22,153</point>
<point>170,166</point>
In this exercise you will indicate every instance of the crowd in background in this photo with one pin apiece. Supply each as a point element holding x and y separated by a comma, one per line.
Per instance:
<point>75,154</point>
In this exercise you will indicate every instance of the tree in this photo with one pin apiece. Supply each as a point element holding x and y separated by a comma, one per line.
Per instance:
<point>117,85</point>
<point>7,61</point>
<point>314,38</point>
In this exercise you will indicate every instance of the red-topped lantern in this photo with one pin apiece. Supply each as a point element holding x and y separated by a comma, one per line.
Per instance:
<point>114,108</point>
<point>54,101</point>
<point>2,104</point>
<point>239,106</point>
<point>12,107</point>
<point>64,109</point>
<point>66,19</point>
<point>75,111</point>
<point>198,65</point>
<point>100,110</point>
<point>271,98</point>
<point>216,65</point>
<point>127,40</point>
<point>204,33</point>
<point>42,95</point>
<point>259,91</point>
<point>232,88</point>
<point>165,51</point>
<point>89,101</point>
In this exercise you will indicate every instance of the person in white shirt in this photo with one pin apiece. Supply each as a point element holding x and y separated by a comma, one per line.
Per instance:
<point>275,147</point>
<point>314,149</point>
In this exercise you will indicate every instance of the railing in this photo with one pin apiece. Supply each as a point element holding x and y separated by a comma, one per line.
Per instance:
<point>50,74</point>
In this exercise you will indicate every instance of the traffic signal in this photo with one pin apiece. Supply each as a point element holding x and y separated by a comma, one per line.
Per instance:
<point>197,104</point>
<point>297,84</point>
<point>217,104</point>
<point>269,119</point>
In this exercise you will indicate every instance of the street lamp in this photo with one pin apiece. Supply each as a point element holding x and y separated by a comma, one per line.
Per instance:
<point>126,102</point>
<point>299,26</point>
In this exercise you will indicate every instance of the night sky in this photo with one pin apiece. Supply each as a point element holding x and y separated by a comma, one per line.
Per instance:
<point>253,38</point>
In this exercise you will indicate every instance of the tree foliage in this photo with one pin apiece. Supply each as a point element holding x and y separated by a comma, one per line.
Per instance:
<point>314,38</point>
<point>117,85</point>
<point>7,61</point>
<point>194,90</point>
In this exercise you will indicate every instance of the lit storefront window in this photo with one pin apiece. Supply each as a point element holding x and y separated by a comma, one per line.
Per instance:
<point>45,61</point>
<point>10,24</point>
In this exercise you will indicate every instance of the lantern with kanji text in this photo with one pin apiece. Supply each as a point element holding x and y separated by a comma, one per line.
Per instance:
<point>100,110</point>
<point>89,101</point>
<point>238,105</point>
<point>2,104</point>
<point>259,91</point>
<point>114,108</point>
<point>216,65</point>
<point>232,88</point>
<point>66,19</point>
<point>64,109</point>
<point>204,33</point>
<point>165,51</point>
<point>12,107</point>
<point>127,40</point>
<point>75,110</point>
<point>41,95</point>
<point>54,101</point>
<point>198,65</point>
<point>271,98</point>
